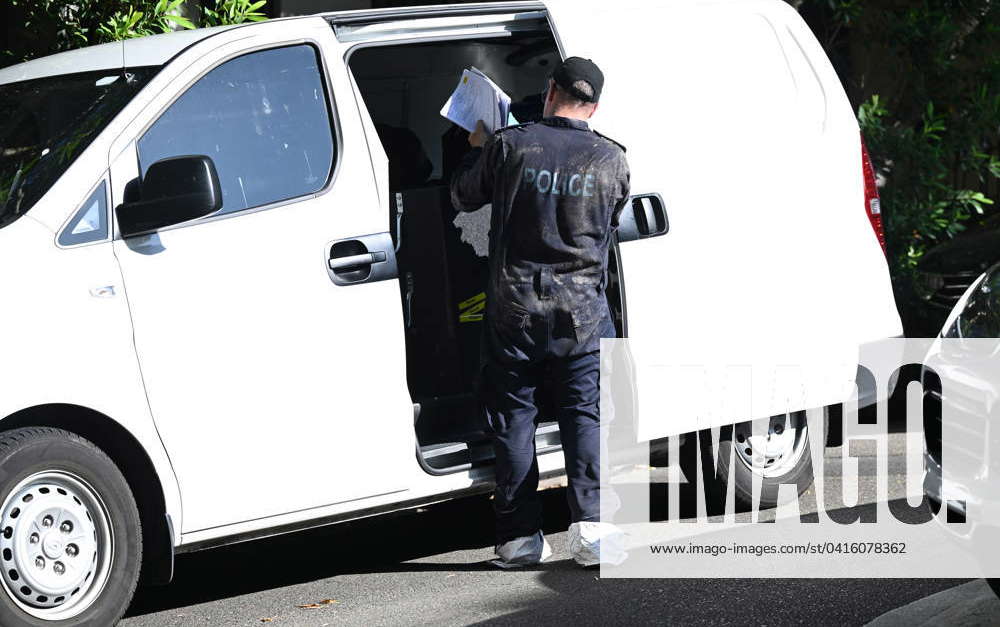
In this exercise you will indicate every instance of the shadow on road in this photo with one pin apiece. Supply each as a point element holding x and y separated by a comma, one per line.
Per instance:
<point>388,544</point>
<point>379,544</point>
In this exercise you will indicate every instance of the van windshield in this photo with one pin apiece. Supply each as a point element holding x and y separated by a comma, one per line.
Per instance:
<point>46,123</point>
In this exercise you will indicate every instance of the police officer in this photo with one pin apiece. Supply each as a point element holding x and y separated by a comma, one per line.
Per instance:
<point>557,188</point>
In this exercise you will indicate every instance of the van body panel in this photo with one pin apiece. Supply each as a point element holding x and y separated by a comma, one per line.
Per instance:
<point>66,345</point>
<point>272,388</point>
<point>770,260</point>
<point>425,489</point>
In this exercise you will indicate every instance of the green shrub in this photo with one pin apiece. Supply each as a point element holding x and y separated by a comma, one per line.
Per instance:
<point>50,26</point>
<point>924,76</point>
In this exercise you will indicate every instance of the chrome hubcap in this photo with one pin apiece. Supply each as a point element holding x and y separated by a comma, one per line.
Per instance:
<point>55,545</point>
<point>773,451</point>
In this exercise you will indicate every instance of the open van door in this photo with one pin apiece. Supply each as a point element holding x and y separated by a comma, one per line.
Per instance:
<point>761,252</point>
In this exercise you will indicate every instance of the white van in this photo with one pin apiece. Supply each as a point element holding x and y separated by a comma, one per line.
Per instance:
<point>238,302</point>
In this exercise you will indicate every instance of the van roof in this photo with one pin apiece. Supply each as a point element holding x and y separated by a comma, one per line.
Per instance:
<point>434,10</point>
<point>159,49</point>
<point>142,51</point>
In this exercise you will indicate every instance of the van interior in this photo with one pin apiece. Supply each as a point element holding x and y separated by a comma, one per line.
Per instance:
<point>442,256</point>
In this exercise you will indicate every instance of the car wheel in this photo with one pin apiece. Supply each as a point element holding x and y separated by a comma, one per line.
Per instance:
<point>778,453</point>
<point>70,538</point>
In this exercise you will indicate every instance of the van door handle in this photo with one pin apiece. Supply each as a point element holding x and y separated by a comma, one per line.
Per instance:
<point>353,262</point>
<point>364,259</point>
<point>644,216</point>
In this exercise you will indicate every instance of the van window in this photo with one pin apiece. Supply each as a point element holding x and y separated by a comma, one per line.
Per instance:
<point>46,123</point>
<point>262,118</point>
<point>90,224</point>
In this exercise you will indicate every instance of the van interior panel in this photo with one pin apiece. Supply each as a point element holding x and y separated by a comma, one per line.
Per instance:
<point>443,254</point>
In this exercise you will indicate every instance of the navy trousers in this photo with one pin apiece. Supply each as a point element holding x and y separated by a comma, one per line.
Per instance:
<point>532,361</point>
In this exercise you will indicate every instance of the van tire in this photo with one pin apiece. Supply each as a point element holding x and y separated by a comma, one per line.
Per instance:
<point>797,470</point>
<point>96,516</point>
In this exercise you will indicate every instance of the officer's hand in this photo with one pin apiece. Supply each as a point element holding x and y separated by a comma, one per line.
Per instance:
<point>479,137</point>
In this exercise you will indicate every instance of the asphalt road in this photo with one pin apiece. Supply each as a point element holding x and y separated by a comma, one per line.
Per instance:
<point>431,567</point>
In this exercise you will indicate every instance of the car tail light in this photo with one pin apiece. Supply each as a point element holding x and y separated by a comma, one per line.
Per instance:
<point>873,205</point>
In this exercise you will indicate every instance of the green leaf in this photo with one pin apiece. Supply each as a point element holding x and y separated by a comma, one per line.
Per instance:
<point>180,21</point>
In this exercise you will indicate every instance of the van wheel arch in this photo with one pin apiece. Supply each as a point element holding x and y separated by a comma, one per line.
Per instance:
<point>133,462</point>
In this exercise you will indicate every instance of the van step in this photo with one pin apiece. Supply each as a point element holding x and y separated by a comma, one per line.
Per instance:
<point>457,455</point>
<point>437,450</point>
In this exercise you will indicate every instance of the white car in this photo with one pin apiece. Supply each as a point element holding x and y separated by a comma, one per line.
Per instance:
<point>233,311</point>
<point>960,391</point>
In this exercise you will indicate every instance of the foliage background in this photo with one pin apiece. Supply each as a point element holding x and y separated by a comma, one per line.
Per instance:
<point>40,27</point>
<point>924,76</point>
<point>925,79</point>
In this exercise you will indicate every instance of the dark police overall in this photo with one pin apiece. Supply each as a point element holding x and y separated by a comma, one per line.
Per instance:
<point>557,189</point>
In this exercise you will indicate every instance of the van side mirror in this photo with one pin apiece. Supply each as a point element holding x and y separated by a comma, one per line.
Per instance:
<point>173,191</point>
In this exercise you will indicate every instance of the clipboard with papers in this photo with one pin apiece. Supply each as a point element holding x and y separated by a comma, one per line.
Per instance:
<point>476,98</point>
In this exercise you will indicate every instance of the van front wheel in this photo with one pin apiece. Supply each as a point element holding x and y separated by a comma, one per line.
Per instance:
<point>70,540</point>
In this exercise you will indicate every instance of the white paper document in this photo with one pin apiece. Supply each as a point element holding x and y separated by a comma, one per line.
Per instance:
<point>478,98</point>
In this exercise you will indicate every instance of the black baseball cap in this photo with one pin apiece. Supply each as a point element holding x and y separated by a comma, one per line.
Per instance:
<point>576,69</point>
